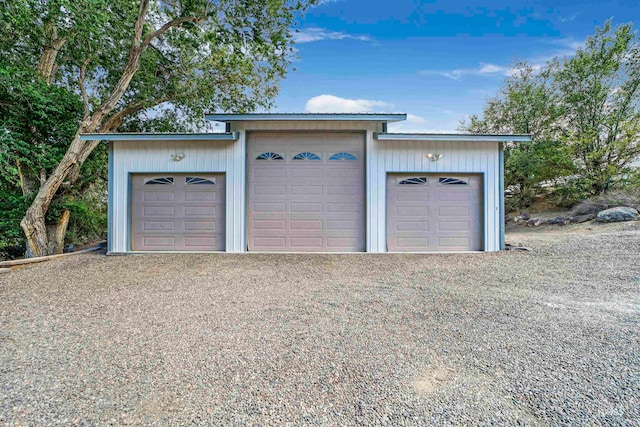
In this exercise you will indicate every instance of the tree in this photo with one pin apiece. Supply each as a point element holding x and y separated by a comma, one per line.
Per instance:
<point>599,90</point>
<point>122,58</point>
<point>526,104</point>
<point>36,126</point>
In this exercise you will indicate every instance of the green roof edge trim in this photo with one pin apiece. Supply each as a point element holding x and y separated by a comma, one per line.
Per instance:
<point>228,136</point>
<point>451,137</point>
<point>378,117</point>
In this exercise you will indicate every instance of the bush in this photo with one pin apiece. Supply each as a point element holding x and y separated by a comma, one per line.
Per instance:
<point>611,199</point>
<point>12,206</point>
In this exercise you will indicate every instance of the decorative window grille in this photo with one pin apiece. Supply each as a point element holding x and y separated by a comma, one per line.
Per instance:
<point>452,181</point>
<point>196,180</point>
<point>270,156</point>
<point>418,180</point>
<point>306,156</point>
<point>165,180</point>
<point>343,156</point>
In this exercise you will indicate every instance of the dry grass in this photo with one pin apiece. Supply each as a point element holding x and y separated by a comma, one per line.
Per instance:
<point>608,200</point>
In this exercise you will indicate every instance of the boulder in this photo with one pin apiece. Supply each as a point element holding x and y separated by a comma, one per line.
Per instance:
<point>579,219</point>
<point>558,221</point>
<point>621,213</point>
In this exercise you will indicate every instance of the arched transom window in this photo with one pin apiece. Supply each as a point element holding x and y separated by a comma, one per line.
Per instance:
<point>270,156</point>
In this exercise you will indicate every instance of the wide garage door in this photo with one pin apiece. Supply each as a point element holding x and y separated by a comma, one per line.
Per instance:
<point>178,212</point>
<point>306,192</point>
<point>429,212</point>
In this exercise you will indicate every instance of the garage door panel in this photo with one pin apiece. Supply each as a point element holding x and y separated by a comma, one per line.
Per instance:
<point>305,224</point>
<point>156,196</point>
<point>454,226</point>
<point>158,211</point>
<point>416,211</point>
<point>187,214</point>
<point>344,208</point>
<point>342,224</point>
<point>262,224</point>
<point>158,225</point>
<point>165,242</point>
<point>271,242</point>
<point>412,242</point>
<point>200,226</point>
<point>259,207</point>
<point>344,190</point>
<point>346,243</point>
<point>269,172</point>
<point>453,243</point>
<point>306,173</point>
<point>199,243</point>
<point>318,194</point>
<point>307,242</point>
<point>306,190</point>
<point>200,211</point>
<point>272,190</point>
<point>421,225</point>
<point>200,196</point>
<point>450,211</point>
<point>296,207</point>
<point>454,196</point>
<point>413,197</point>
<point>434,212</point>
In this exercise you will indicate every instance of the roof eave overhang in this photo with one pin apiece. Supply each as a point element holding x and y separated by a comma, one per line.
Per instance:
<point>451,137</point>
<point>228,136</point>
<point>382,117</point>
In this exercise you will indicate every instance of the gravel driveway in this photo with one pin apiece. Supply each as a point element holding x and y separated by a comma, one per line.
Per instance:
<point>546,337</point>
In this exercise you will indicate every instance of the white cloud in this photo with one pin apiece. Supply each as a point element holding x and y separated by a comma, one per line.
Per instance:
<point>484,69</point>
<point>309,35</point>
<point>413,124</point>
<point>570,18</point>
<point>335,104</point>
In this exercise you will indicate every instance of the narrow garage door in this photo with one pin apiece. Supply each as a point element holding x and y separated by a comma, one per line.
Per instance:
<point>306,192</point>
<point>428,212</point>
<point>174,212</point>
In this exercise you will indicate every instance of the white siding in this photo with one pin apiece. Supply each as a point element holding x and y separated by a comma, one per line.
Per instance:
<point>410,156</point>
<point>382,157</point>
<point>130,157</point>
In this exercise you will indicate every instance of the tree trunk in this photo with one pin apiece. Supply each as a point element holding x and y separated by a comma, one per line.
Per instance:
<point>56,233</point>
<point>33,224</point>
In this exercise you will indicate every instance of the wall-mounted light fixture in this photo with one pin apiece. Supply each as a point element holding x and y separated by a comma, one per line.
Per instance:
<point>177,157</point>
<point>434,157</point>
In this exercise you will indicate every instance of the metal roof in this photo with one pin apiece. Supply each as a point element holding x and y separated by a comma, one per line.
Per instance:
<point>379,117</point>
<point>228,136</point>
<point>451,137</point>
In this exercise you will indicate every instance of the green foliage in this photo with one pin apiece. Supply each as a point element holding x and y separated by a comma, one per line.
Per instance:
<point>599,90</point>
<point>37,122</point>
<point>583,114</point>
<point>526,105</point>
<point>12,206</point>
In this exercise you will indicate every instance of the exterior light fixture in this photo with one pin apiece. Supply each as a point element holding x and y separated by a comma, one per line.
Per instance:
<point>434,157</point>
<point>177,157</point>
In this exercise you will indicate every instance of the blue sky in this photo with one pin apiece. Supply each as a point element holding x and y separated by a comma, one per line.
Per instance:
<point>436,60</point>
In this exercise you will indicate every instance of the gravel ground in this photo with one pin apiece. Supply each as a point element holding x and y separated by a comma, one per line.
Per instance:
<point>548,337</point>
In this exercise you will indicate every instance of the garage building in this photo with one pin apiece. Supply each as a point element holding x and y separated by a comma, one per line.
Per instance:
<point>306,183</point>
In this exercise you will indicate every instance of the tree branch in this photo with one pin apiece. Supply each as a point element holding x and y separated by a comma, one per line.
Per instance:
<point>173,23</point>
